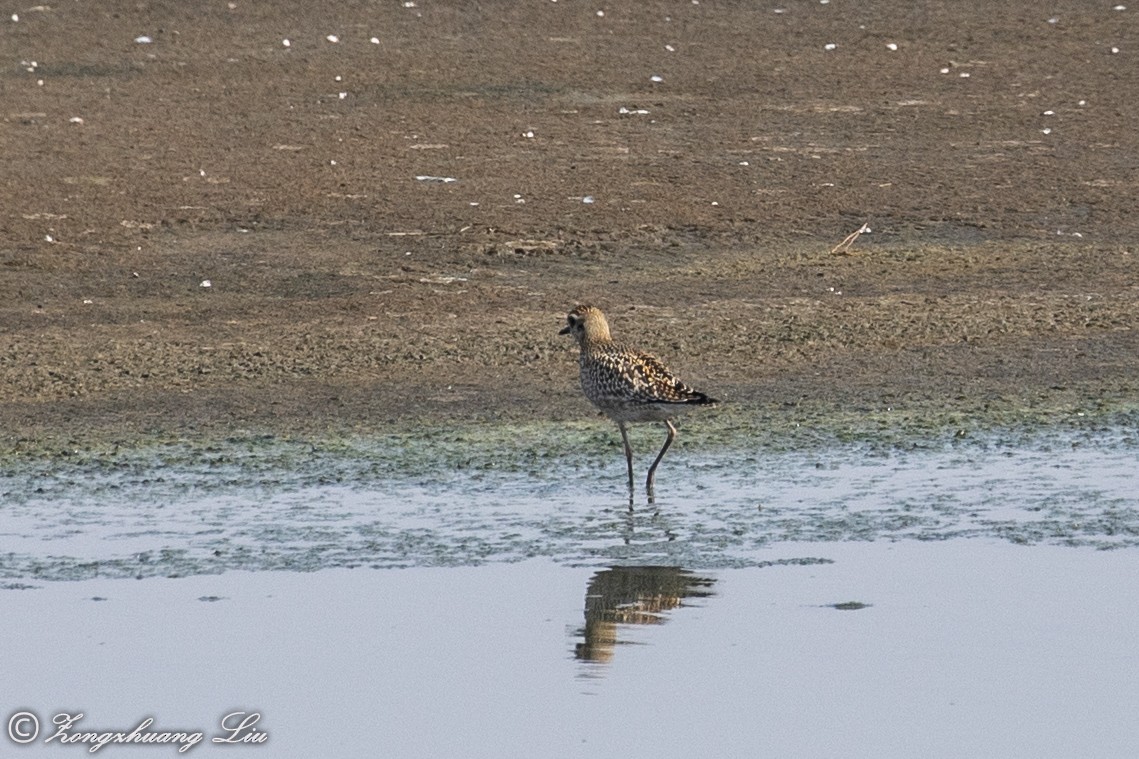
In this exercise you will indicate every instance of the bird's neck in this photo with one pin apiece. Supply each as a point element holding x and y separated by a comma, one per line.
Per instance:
<point>596,342</point>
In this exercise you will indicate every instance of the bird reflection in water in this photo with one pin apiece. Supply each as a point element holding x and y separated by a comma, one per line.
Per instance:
<point>632,596</point>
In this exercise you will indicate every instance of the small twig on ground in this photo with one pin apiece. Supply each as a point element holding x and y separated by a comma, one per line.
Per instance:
<point>843,248</point>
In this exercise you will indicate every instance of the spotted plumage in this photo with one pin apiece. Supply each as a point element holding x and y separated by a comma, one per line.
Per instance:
<point>626,384</point>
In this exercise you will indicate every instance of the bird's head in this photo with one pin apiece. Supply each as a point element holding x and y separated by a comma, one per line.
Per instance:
<point>587,325</point>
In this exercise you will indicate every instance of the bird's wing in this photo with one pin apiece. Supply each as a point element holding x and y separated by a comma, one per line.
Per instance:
<point>653,382</point>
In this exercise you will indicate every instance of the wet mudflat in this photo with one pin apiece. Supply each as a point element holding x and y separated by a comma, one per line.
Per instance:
<point>711,511</point>
<point>207,230</point>
<point>966,600</point>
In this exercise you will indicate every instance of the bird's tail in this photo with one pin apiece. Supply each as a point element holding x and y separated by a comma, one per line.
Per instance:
<point>696,398</point>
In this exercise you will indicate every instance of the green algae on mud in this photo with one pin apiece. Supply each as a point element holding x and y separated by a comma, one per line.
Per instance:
<point>711,512</point>
<point>50,466</point>
<point>266,501</point>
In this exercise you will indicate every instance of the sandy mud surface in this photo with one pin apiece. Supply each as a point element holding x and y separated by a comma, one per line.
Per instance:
<point>205,231</point>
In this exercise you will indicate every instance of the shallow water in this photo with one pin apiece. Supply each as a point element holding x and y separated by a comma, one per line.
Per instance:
<point>709,513</point>
<point>957,602</point>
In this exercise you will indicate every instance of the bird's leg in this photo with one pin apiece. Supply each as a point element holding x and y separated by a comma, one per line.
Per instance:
<point>667,442</point>
<point>628,452</point>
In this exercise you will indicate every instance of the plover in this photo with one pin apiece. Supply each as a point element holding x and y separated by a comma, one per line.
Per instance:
<point>626,384</point>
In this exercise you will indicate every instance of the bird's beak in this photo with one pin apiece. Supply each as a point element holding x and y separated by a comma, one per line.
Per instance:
<point>564,330</point>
